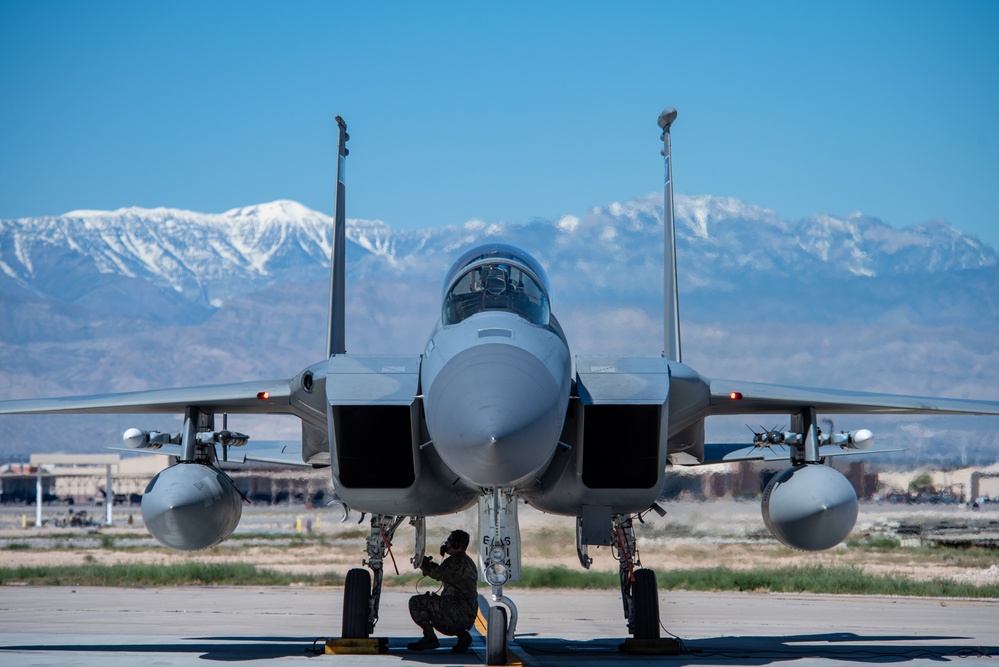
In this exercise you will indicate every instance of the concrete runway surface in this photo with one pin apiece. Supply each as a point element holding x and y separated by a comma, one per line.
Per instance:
<point>111,627</point>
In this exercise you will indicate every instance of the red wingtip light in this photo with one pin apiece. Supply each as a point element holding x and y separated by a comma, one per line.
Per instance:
<point>735,395</point>
<point>263,395</point>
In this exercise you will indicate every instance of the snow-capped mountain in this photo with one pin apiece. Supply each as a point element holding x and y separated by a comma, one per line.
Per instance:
<point>99,301</point>
<point>214,257</point>
<point>193,253</point>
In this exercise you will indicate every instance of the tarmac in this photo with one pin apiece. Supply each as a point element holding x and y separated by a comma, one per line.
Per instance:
<point>112,627</point>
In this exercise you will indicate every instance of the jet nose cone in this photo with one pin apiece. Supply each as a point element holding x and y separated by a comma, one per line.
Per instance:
<point>495,414</point>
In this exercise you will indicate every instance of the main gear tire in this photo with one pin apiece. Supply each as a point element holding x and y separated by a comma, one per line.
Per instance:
<point>645,598</point>
<point>356,603</point>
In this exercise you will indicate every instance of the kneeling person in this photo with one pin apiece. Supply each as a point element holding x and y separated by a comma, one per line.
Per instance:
<point>453,611</point>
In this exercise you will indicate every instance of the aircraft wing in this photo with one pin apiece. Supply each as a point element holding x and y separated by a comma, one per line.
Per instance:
<point>736,397</point>
<point>264,397</point>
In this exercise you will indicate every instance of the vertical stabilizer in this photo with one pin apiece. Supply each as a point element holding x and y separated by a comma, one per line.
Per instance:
<point>671,306</point>
<point>335,343</point>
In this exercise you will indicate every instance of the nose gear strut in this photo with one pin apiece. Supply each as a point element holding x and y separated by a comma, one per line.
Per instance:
<point>499,557</point>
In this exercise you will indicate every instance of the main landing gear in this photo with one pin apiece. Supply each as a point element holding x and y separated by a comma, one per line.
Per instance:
<point>363,589</point>
<point>639,590</point>
<point>499,550</point>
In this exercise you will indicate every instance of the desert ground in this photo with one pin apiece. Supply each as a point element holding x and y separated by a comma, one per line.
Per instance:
<point>299,539</point>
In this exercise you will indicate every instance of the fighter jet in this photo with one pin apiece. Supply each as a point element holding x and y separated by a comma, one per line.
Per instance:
<point>496,411</point>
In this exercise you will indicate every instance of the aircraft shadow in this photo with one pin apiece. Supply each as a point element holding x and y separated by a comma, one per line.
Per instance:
<point>222,649</point>
<point>242,649</point>
<point>766,650</point>
<point>728,650</point>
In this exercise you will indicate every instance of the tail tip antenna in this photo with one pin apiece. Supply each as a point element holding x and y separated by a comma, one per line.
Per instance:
<point>667,117</point>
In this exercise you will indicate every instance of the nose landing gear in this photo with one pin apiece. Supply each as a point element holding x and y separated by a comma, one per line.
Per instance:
<point>499,557</point>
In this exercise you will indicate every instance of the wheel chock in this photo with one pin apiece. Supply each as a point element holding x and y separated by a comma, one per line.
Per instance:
<point>345,646</point>
<point>666,646</point>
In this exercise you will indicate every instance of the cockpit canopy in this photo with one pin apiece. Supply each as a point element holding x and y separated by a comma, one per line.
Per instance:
<point>496,277</point>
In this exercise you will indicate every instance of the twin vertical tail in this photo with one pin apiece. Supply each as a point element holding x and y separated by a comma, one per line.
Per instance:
<point>671,305</point>
<point>335,343</point>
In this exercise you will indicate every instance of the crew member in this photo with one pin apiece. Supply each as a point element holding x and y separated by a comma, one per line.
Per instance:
<point>453,611</point>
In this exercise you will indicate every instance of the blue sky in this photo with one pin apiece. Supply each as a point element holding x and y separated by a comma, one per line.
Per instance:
<point>502,111</point>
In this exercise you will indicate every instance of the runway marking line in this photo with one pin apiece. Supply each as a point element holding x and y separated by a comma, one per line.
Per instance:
<point>481,624</point>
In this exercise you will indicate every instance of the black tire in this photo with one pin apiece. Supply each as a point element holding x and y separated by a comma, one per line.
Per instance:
<point>496,636</point>
<point>356,596</point>
<point>645,598</point>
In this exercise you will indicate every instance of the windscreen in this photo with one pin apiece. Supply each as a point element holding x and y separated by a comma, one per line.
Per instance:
<point>496,285</point>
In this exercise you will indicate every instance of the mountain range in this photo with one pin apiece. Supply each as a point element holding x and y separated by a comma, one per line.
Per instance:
<point>103,301</point>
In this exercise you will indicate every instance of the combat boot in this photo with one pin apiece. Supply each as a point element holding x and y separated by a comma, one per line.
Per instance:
<point>464,641</point>
<point>427,643</point>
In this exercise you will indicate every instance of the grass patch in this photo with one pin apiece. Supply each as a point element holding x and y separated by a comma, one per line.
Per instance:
<point>559,576</point>
<point>834,580</point>
<point>411,579</point>
<point>18,546</point>
<point>813,579</point>
<point>875,543</point>
<point>971,556</point>
<point>133,536</point>
<point>180,574</point>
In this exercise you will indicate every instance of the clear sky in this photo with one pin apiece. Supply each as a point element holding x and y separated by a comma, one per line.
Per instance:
<point>502,111</point>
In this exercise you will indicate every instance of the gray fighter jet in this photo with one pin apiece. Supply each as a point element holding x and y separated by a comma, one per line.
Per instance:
<point>497,411</point>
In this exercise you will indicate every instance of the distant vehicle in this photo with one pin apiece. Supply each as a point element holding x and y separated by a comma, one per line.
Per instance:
<point>80,519</point>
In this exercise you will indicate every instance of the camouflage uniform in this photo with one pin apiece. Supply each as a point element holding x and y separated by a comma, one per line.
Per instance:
<point>453,611</point>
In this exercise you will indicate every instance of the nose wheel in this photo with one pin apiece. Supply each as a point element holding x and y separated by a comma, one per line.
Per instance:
<point>496,636</point>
